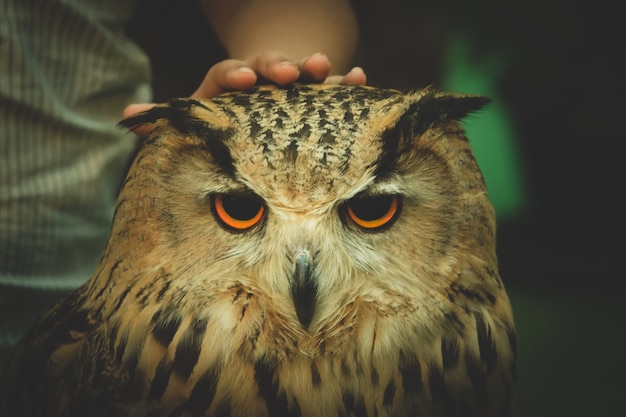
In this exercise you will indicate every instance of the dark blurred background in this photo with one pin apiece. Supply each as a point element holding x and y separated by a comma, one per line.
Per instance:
<point>548,146</point>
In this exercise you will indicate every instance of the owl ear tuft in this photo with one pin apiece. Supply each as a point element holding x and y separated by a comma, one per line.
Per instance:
<point>456,107</point>
<point>434,108</point>
<point>178,112</point>
<point>429,108</point>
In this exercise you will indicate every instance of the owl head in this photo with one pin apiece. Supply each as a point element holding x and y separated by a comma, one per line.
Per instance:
<point>302,250</point>
<point>327,201</point>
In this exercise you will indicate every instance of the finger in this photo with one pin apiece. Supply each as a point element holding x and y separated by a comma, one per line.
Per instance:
<point>315,68</point>
<point>275,67</point>
<point>355,76</point>
<point>135,108</point>
<point>227,75</point>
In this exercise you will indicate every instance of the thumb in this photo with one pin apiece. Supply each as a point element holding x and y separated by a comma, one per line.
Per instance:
<point>133,109</point>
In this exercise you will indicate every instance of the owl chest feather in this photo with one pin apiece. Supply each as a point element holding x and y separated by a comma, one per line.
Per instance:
<point>251,360</point>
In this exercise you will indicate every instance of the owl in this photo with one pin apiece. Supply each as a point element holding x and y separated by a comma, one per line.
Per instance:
<point>309,250</point>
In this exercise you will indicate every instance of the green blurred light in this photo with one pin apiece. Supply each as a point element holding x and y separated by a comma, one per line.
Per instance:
<point>491,132</point>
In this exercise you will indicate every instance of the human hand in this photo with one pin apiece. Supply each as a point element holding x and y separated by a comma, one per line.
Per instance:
<point>269,67</point>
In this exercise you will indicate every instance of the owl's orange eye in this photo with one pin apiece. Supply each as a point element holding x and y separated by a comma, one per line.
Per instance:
<point>373,213</point>
<point>238,212</point>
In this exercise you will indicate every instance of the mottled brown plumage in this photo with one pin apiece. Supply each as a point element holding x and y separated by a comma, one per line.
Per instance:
<point>313,250</point>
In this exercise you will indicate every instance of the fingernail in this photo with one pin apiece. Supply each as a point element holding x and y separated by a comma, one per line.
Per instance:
<point>245,69</point>
<point>289,63</point>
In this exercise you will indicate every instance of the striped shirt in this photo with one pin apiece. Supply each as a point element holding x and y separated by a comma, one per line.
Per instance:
<point>67,70</point>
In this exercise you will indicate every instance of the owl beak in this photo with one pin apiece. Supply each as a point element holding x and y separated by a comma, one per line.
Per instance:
<point>304,288</point>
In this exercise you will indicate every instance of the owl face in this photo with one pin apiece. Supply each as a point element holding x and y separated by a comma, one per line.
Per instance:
<point>318,198</point>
